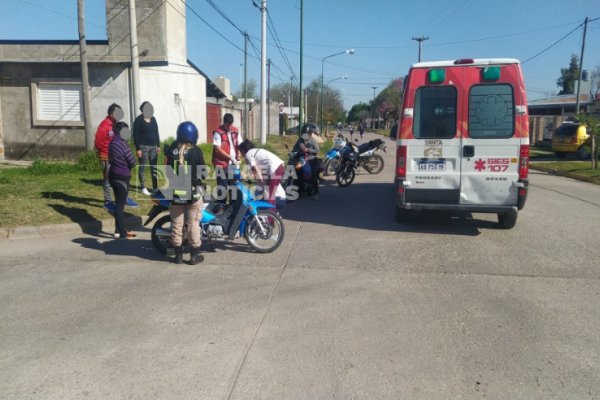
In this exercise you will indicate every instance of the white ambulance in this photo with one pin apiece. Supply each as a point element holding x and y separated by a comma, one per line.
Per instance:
<point>463,139</point>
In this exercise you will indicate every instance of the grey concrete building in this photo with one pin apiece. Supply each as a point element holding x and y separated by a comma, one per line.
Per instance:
<point>40,82</point>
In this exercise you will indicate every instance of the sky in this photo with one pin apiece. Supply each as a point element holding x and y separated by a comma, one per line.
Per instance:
<point>543,34</point>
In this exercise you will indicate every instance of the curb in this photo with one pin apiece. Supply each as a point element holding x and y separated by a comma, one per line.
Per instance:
<point>44,231</point>
<point>558,172</point>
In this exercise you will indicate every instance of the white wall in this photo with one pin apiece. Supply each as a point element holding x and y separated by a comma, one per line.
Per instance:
<point>159,86</point>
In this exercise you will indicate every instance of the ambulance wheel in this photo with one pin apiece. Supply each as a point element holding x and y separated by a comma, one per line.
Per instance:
<point>507,220</point>
<point>402,215</point>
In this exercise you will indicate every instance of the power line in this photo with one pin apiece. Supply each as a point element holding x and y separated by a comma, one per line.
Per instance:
<point>212,27</point>
<point>275,36</point>
<point>553,44</point>
<point>218,10</point>
<point>59,13</point>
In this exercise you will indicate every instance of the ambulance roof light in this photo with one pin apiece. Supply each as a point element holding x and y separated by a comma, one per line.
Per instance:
<point>436,76</point>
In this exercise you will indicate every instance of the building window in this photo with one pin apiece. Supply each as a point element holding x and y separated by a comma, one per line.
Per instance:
<point>57,102</point>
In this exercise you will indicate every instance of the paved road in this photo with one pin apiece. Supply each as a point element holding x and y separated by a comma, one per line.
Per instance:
<point>352,306</point>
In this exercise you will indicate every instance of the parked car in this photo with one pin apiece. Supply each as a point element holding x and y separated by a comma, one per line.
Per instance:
<point>570,137</point>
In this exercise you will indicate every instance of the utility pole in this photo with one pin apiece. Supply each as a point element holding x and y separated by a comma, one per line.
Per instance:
<point>420,40</point>
<point>246,133</point>
<point>268,95</point>
<point>85,79</point>
<point>373,109</point>
<point>263,73</point>
<point>291,102</point>
<point>300,110</point>
<point>581,66</point>
<point>135,57</point>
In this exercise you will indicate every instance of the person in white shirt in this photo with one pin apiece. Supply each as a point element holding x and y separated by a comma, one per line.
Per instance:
<point>268,169</point>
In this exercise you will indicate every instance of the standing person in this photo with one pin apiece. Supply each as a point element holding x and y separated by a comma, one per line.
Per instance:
<point>225,152</point>
<point>310,148</point>
<point>121,162</point>
<point>268,169</point>
<point>185,158</point>
<point>351,131</point>
<point>104,135</point>
<point>147,144</point>
<point>361,129</point>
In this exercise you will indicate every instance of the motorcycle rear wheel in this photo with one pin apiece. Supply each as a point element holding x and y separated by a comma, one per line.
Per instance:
<point>331,166</point>
<point>374,164</point>
<point>270,240</point>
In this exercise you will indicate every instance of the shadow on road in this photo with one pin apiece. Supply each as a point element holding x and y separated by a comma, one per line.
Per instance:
<point>370,206</point>
<point>139,248</point>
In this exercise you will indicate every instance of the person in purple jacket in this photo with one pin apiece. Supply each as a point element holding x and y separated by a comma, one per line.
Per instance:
<point>121,162</point>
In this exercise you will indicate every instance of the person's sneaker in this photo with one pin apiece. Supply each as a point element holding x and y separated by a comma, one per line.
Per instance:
<point>110,206</point>
<point>130,235</point>
<point>146,192</point>
<point>117,235</point>
<point>131,203</point>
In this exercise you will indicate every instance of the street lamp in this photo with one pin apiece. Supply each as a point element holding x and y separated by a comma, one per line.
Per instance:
<point>337,79</point>
<point>349,51</point>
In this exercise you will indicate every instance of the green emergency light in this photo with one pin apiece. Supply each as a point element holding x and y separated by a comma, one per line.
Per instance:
<point>436,76</point>
<point>491,73</point>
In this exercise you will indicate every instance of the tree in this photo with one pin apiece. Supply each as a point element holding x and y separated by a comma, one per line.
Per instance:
<point>568,76</point>
<point>592,125</point>
<point>388,101</point>
<point>595,78</point>
<point>280,93</point>
<point>250,88</point>
<point>358,112</point>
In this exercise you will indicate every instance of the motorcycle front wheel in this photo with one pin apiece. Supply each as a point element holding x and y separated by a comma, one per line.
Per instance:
<point>161,234</point>
<point>345,176</point>
<point>267,239</point>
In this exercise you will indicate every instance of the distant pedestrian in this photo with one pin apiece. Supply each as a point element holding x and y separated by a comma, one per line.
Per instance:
<point>361,129</point>
<point>119,175</point>
<point>147,145</point>
<point>351,131</point>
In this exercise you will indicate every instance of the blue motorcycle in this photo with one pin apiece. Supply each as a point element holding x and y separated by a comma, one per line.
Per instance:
<point>332,158</point>
<point>257,221</point>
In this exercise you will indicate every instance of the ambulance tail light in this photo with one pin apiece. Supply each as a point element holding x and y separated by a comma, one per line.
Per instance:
<point>401,162</point>
<point>524,161</point>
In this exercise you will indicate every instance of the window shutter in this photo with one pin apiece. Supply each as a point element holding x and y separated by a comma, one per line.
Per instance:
<point>59,102</point>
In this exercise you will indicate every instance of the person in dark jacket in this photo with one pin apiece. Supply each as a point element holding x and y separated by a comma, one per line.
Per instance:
<point>187,161</point>
<point>309,148</point>
<point>147,144</point>
<point>121,162</point>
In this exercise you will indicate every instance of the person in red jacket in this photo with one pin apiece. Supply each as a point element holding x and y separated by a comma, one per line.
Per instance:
<point>104,135</point>
<point>225,153</point>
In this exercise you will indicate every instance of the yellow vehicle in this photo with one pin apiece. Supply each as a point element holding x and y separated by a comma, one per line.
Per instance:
<point>570,137</point>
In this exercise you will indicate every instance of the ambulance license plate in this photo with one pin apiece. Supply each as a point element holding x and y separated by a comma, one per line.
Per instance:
<point>432,165</point>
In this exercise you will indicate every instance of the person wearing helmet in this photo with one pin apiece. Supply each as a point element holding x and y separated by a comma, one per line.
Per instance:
<point>185,158</point>
<point>225,152</point>
<point>309,147</point>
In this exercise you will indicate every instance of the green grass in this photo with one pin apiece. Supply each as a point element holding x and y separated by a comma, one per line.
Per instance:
<point>61,192</point>
<point>582,168</point>
<point>541,152</point>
